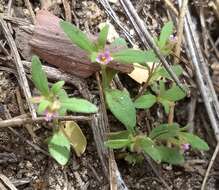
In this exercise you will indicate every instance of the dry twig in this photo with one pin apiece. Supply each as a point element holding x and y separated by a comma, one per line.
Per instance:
<point>29,6</point>
<point>67,10</point>
<point>210,166</point>
<point>7,182</point>
<point>22,78</point>
<point>21,121</point>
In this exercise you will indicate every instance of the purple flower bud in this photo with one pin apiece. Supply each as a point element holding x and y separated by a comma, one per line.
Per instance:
<point>50,115</point>
<point>185,146</point>
<point>104,58</point>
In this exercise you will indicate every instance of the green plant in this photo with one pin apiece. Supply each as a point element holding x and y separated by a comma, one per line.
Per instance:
<point>54,102</point>
<point>124,108</point>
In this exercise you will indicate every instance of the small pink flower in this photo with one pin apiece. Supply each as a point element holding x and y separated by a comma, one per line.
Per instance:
<point>104,58</point>
<point>185,146</point>
<point>173,38</point>
<point>50,115</point>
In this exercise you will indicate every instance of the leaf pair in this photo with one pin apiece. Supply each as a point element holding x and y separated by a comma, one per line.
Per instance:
<point>124,139</point>
<point>81,40</point>
<point>165,97</point>
<point>126,56</point>
<point>174,131</point>
<point>61,141</point>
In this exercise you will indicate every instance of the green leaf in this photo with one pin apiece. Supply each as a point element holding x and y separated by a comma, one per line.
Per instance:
<point>166,31</point>
<point>166,104</point>
<point>59,148</point>
<point>93,57</point>
<point>78,105</point>
<point>62,95</point>
<point>129,56</point>
<point>149,148</point>
<point>103,37</point>
<point>75,137</point>
<point>42,106</point>
<point>119,135</point>
<point>57,87</point>
<point>195,141</point>
<point>38,76</point>
<point>174,94</point>
<point>119,42</point>
<point>77,36</point>
<point>165,131</point>
<point>171,155</point>
<point>122,107</point>
<point>62,111</point>
<point>145,101</point>
<point>177,69</point>
<point>117,144</point>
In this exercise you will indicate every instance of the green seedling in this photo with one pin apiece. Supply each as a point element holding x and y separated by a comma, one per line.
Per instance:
<point>54,102</point>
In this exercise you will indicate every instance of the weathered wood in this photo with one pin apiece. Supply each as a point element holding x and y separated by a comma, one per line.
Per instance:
<point>52,45</point>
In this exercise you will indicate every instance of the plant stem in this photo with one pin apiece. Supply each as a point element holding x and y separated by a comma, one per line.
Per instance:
<point>104,77</point>
<point>171,114</point>
<point>144,87</point>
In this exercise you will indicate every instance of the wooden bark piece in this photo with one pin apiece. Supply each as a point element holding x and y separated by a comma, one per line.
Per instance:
<point>52,45</point>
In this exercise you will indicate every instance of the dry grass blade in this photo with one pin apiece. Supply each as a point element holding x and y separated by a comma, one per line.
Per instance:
<point>67,10</point>
<point>202,74</point>
<point>210,166</point>
<point>113,15</point>
<point>7,182</point>
<point>180,29</point>
<point>22,78</point>
<point>29,6</point>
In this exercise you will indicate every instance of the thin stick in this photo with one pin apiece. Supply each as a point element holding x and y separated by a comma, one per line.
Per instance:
<point>35,146</point>
<point>67,10</point>
<point>157,173</point>
<point>21,121</point>
<point>199,63</point>
<point>7,182</point>
<point>180,29</point>
<point>210,166</point>
<point>19,65</point>
<point>29,7</point>
<point>171,6</point>
<point>113,15</point>
<point>144,87</point>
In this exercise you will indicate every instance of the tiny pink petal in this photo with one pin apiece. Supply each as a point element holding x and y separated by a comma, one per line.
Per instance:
<point>185,146</point>
<point>104,58</point>
<point>173,38</point>
<point>50,115</point>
